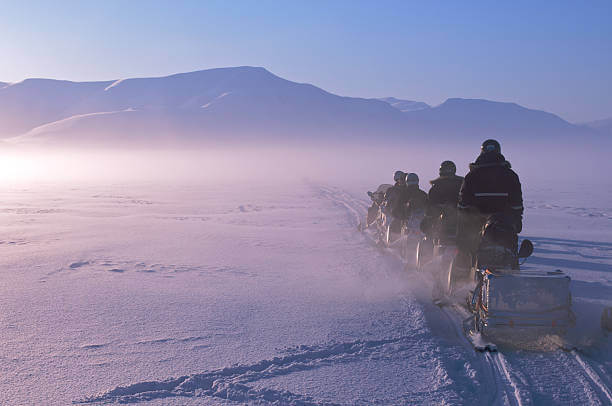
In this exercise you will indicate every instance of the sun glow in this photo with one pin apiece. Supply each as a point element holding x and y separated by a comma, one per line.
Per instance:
<point>18,167</point>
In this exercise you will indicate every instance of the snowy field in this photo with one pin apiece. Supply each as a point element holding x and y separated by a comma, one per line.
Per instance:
<point>268,294</point>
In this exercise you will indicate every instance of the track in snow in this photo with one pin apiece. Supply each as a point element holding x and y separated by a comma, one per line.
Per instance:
<point>231,383</point>
<point>598,380</point>
<point>356,210</point>
<point>503,387</point>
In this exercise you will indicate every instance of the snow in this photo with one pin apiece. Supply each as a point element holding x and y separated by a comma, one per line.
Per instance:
<point>115,83</point>
<point>223,293</point>
<point>63,124</point>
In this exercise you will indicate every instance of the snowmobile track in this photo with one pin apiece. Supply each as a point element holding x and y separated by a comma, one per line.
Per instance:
<point>352,205</point>
<point>232,383</point>
<point>356,209</point>
<point>598,382</point>
<point>493,365</point>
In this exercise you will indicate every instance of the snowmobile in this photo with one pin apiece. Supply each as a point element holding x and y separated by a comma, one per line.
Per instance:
<point>400,235</point>
<point>439,245</point>
<point>507,299</point>
<point>378,198</point>
<point>403,235</point>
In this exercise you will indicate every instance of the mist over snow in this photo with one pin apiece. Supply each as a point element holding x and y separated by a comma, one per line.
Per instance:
<point>246,119</point>
<point>350,163</point>
<point>238,276</point>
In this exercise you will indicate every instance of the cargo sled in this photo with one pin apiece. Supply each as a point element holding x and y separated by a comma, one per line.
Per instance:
<point>506,300</point>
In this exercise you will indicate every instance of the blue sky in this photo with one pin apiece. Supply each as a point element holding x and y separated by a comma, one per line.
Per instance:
<point>550,55</point>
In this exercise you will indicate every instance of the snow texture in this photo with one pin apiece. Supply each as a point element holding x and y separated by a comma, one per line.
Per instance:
<point>267,294</point>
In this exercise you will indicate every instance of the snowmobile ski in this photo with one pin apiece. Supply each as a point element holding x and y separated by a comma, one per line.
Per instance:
<point>478,341</point>
<point>480,344</point>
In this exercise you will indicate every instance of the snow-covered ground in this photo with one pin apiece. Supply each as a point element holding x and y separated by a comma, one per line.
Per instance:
<point>252,293</point>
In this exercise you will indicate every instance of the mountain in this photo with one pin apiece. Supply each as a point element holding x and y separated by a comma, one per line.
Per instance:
<point>604,126</point>
<point>405,105</point>
<point>248,103</point>
<point>215,103</point>
<point>478,117</point>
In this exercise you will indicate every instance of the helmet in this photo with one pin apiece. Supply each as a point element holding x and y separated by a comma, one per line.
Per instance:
<point>447,168</point>
<point>490,146</point>
<point>399,176</point>
<point>412,179</point>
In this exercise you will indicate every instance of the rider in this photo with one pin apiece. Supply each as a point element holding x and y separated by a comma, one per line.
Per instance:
<point>490,187</point>
<point>416,199</point>
<point>396,197</point>
<point>442,200</point>
<point>416,202</point>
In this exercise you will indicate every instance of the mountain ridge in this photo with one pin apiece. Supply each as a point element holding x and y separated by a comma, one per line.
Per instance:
<point>405,105</point>
<point>251,102</point>
<point>603,125</point>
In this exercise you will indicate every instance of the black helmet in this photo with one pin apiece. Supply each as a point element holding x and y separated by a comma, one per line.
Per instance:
<point>412,179</point>
<point>399,176</point>
<point>490,146</point>
<point>447,168</point>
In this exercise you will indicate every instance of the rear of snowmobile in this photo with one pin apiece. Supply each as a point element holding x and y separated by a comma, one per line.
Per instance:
<point>399,235</point>
<point>436,250</point>
<point>507,300</point>
<point>402,236</point>
<point>527,302</point>
<point>375,213</point>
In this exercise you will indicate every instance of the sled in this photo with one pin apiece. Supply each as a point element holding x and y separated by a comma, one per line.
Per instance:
<point>506,299</point>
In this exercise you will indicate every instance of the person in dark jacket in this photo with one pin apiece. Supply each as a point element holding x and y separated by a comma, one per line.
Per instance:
<point>395,201</point>
<point>491,187</point>
<point>445,189</point>
<point>441,217</point>
<point>416,199</point>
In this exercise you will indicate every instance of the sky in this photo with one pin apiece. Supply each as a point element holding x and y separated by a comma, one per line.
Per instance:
<point>549,55</point>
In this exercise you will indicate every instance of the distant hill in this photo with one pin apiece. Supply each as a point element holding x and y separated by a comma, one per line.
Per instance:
<point>248,103</point>
<point>604,126</point>
<point>405,105</point>
<point>210,104</point>
<point>477,117</point>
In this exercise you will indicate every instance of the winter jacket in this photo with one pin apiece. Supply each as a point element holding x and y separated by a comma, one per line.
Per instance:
<point>444,190</point>
<point>416,199</point>
<point>441,218</point>
<point>492,187</point>
<point>396,198</point>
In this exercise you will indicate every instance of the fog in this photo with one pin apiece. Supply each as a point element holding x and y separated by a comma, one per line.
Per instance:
<point>333,163</point>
